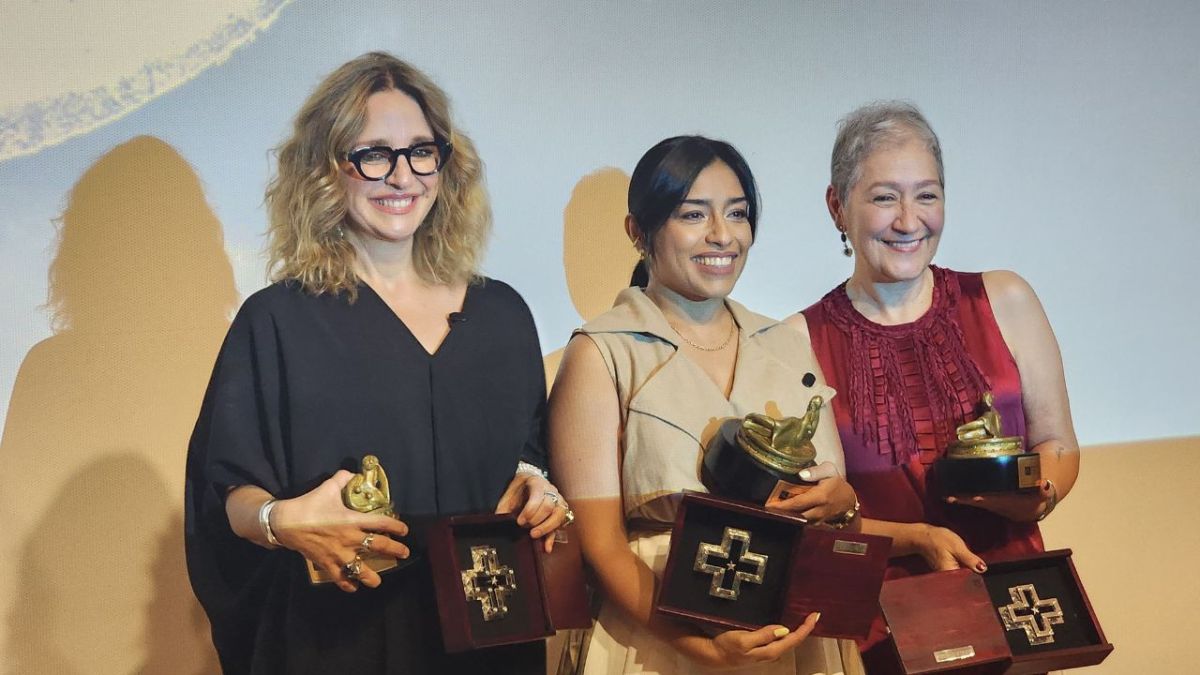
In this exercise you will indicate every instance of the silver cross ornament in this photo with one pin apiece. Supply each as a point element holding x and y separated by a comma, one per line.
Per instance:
<point>730,568</point>
<point>1032,614</point>
<point>488,582</point>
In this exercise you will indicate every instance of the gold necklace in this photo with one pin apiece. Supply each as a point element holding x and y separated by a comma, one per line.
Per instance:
<point>723,345</point>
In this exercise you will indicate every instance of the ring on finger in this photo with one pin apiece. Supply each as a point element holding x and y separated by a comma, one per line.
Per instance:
<point>553,496</point>
<point>568,517</point>
<point>365,546</point>
<point>353,569</point>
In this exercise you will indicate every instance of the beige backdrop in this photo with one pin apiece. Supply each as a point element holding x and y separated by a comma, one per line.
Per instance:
<point>92,457</point>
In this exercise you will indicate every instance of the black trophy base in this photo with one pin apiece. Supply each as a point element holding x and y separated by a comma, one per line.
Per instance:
<point>984,475</point>
<point>728,471</point>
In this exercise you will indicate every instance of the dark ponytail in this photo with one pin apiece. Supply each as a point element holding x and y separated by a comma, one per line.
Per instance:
<point>641,276</point>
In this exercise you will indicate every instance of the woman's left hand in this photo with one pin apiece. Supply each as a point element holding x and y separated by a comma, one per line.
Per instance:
<point>541,506</point>
<point>1015,506</point>
<point>831,497</point>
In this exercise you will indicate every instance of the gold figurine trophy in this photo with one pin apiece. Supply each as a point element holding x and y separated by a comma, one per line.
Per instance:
<point>367,492</point>
<point>983,461</point>
<point>759,456</point>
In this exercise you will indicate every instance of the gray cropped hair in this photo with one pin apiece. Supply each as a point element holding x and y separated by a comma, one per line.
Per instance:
<point>870,127</point>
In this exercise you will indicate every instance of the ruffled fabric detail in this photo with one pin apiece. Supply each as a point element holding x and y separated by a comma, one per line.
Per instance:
<point>911,384</point>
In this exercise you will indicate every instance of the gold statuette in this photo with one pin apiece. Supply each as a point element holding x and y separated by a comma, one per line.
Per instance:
<point>758,458</point>
<point>367,492</point>
<point>982,461</point>
<point>981,437</point>
<point>784,444</point>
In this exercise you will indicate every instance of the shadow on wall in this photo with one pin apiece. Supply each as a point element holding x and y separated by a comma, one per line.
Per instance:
<point>102,564</point>
<point>597,255</point>
<point>93,451</point>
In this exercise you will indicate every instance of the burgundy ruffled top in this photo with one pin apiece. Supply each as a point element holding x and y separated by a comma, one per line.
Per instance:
<point>903,390</point>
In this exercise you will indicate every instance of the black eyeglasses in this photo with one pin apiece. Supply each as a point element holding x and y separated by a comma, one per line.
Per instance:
<point>377,162</point>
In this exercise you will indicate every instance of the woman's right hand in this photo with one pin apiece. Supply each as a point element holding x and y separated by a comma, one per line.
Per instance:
<point>319,527</point>
<point>736,648</point>
<point>831,497</point>
<point>942,549</point>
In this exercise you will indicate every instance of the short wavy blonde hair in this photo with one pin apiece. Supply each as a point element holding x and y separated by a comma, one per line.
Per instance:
<point>306,202</point>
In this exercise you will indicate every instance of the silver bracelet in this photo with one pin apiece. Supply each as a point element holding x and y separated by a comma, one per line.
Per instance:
<point>264,522</point>
<point>526,467</point>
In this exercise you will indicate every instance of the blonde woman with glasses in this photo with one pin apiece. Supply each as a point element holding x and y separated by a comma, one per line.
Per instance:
<point>378,336</point>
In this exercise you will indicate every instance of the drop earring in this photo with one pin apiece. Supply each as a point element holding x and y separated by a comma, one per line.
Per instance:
<point>846,250</point>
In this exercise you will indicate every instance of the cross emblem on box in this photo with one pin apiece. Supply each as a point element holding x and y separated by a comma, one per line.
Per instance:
<point>1032,614</point>
<point>730,563</point>
<point>488,582</point>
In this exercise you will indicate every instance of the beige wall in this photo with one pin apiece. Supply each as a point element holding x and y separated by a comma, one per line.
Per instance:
<point>1137,550</point>
<point>92,456</point>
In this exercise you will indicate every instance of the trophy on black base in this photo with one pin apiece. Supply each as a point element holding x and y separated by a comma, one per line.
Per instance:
<point>982,461</point>
<point>754,458</point>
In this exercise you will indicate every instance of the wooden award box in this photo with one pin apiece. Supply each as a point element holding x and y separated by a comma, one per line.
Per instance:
<point>495,585</point>
<point>1023,616</point>
<point>736,565</point>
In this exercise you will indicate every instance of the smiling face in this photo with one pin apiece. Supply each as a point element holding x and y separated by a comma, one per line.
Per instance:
<point>894,214</point>
<point>700,251</point>
<point>392,209</point>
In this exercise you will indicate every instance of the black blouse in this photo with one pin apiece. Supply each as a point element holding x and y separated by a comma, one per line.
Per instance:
<point>305,385</point>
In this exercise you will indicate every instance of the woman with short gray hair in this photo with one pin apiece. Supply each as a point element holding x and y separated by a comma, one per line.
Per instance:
<point>914,349</point>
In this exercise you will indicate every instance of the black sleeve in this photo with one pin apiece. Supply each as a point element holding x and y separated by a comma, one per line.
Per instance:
<point>534,450</point>
<point>238,436</point>
<point>524,366</point>
<point>232,444</point>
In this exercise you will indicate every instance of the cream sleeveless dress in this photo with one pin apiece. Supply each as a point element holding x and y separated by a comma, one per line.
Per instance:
<point>669,410</point>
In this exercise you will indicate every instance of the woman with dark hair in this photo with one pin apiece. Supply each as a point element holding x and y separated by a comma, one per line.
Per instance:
<point>645,385</point>
<point>914,349</point>
<point>378,337</point>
